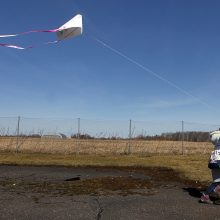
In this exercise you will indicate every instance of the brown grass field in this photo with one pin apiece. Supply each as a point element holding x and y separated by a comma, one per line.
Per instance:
<point>101,147</point>
<point>192,164</point>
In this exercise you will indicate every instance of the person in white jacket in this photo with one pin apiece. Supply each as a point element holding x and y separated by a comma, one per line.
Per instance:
<point>214,165</point>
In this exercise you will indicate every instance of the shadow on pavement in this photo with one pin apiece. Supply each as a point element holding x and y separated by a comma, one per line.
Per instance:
<point>193,192</point>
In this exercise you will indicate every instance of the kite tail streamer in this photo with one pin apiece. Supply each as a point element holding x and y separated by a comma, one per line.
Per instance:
<point>12,46</point>
<point>71,28</point>
<point>29,47</point>
<point>49,42</point>
<point>29,32</point>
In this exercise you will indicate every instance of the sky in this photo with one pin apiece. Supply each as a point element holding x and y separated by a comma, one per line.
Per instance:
<point>144,60</point>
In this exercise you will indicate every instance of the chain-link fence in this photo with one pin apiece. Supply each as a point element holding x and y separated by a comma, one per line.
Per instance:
<point>88,136</point>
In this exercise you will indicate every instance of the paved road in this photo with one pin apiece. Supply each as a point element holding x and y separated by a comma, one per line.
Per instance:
<point>168,201</point>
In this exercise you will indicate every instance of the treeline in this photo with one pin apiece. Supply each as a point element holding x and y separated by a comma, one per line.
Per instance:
<point>194,136</point>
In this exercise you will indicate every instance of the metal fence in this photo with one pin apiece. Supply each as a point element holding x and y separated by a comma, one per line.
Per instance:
<point>101,136</point>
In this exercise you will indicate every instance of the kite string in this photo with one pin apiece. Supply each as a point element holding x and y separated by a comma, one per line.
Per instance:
<point>152,72</point>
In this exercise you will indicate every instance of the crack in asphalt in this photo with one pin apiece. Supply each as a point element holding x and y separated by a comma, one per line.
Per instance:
<point>100,209</point>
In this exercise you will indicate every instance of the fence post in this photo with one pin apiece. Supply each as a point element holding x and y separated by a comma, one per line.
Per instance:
<point>78,136</point>
<point>182,137</point>
<point>129,136</point>
<point>18,133</point>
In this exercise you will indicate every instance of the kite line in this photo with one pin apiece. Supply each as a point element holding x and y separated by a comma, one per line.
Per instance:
<point>146,69</point>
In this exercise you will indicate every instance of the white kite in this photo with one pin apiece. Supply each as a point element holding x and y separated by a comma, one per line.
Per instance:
<point>72,28</point>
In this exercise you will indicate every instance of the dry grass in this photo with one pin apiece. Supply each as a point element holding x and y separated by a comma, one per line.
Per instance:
<point>101,147</point>
<point>73,152</point>
<point>190,166</point>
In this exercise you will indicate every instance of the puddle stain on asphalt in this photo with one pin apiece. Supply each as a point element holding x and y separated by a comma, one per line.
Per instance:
<point>138,180</point>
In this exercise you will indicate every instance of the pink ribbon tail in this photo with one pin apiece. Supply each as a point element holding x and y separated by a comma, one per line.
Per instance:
<point>29,32</point>
<point>29,47</point>
<point>12,46</point>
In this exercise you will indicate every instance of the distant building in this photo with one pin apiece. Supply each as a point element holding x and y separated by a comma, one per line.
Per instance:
<point>54,136</point>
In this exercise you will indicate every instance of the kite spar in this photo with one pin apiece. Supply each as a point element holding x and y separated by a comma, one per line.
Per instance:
<point>70,29</point>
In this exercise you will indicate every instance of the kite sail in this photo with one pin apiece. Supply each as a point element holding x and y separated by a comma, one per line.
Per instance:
<point>72,28</point>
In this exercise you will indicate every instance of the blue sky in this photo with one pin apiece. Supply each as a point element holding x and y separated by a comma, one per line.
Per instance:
<point>178,40</point>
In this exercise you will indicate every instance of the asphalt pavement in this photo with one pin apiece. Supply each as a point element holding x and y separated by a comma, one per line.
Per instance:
<point>19,200</point>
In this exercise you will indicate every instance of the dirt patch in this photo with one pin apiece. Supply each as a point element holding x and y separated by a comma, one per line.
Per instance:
<point>131,180</point>
<point>96,186</point>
